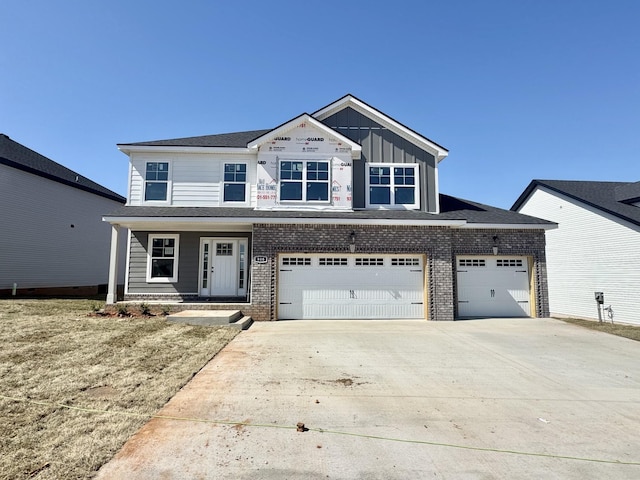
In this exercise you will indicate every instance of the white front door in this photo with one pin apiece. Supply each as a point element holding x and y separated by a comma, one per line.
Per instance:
<point>223,267</point>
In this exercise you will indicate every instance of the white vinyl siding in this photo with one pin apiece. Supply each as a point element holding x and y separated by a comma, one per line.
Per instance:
<point>195,179</point>
<point>52,234</point>
<point>590,251</point>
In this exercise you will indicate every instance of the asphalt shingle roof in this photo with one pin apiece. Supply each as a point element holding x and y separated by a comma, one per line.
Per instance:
<point>605,196</point>
<point>15,155</point>
<point>236,139</point>
<point>451,209</point>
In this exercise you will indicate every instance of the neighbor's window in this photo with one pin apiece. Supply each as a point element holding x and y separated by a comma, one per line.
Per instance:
<point>235,182</point>
<point>393,186</point>
<point>162,257</point>
<point>306,181</point>
<point>156,181</point>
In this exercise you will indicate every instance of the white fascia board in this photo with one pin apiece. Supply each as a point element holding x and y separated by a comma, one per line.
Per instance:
<point>436,150</point>
<point>510,226</point>
<point>169,223</point>
<point>128,149</point>
<point>356,149</point>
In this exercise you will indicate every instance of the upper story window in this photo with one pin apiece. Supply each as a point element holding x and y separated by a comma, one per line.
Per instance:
<point>156,181</point>
<point>304,180</point>
<point>235,182</point>
<point>393,186</point>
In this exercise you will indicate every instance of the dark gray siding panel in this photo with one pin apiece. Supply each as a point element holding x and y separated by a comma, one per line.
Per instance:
<point>381,145</point>
<point>188,262</point>
<point>187,265</point>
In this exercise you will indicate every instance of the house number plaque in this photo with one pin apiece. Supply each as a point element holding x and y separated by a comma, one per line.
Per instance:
<point>260,259</point>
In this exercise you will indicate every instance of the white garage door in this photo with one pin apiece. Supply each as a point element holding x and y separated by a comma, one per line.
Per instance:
<point>493,286</point>
<point>326,286</point>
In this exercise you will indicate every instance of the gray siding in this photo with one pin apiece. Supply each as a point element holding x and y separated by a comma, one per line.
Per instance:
<point>381,145</point>
<point>52,235</point>
<point>188,263</point>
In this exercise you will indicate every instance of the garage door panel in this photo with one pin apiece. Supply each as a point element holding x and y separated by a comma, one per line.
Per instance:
<point>493,286</point>
<point>367,287</point>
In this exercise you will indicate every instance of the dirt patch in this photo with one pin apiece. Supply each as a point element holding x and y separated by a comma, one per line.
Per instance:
<point>106,391</point>
<point>347,382</point>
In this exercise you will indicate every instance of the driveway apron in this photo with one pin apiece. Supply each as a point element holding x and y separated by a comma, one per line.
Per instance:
<point>493,398</point>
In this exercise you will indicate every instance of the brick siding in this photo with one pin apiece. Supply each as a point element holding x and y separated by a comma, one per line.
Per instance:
<point>439,244</point>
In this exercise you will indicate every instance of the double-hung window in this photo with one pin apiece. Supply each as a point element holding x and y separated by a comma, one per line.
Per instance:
<point>162,258</point>
<point>393,186</point>
<point>304,180</point>
<point>235,182</point>
<point>156,181</point>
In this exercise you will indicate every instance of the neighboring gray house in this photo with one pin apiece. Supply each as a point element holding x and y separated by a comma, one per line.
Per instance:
<point>596,247</point>
<point>335,214</point>
<point>53,239</point>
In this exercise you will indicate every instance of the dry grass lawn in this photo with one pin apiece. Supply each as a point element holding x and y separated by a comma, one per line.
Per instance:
<point>54,352</point>
<point>627,331</point>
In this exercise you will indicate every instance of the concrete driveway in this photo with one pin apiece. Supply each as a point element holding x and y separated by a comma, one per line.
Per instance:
<point>499,398</point>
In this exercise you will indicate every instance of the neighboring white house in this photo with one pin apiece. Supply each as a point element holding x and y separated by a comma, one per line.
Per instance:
<point>596,247</point>
<point>52,235</point>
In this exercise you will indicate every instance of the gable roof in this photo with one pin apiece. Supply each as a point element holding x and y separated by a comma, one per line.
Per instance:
<point>405,132</point>
<point>244,139</point>
<point>15,155</point>
<point>356,149</point>
<point>600,195</point>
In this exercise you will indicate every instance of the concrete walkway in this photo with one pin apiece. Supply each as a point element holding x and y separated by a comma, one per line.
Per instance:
<point>484,399</point>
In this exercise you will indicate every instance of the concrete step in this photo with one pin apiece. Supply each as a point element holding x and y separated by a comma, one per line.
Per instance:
<point>231,318</point>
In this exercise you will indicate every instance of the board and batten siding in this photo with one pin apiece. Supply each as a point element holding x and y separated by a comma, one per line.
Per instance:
<point>381,145</point>
<point>195,179</point>
<point>589,251</point>
<point>52,234</point>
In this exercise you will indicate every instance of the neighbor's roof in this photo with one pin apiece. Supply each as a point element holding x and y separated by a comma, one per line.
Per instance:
<point>451,209</point>
<point>608,197</point>
<point>15,155</point>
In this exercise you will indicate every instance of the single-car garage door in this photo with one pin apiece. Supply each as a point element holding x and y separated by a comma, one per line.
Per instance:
<point>325,286</point>
<point>493,286</point>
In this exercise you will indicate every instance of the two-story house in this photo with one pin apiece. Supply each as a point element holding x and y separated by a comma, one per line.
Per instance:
<point>335,214</point>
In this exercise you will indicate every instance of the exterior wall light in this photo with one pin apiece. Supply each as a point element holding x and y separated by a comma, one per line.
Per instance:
<point>495,245</point>
<point>352,240</point>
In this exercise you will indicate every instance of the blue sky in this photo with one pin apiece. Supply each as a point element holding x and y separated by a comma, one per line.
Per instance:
<point>515,89</point>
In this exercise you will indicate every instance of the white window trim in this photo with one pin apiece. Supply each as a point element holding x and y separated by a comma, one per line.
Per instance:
<point>169,182</point>
<point>176,256</point>
<point>304,181</point>
<point>393,205</point>
<point>247,185</point>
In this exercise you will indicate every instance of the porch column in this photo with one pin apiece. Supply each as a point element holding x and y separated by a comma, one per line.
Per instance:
<point>112,288</point>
